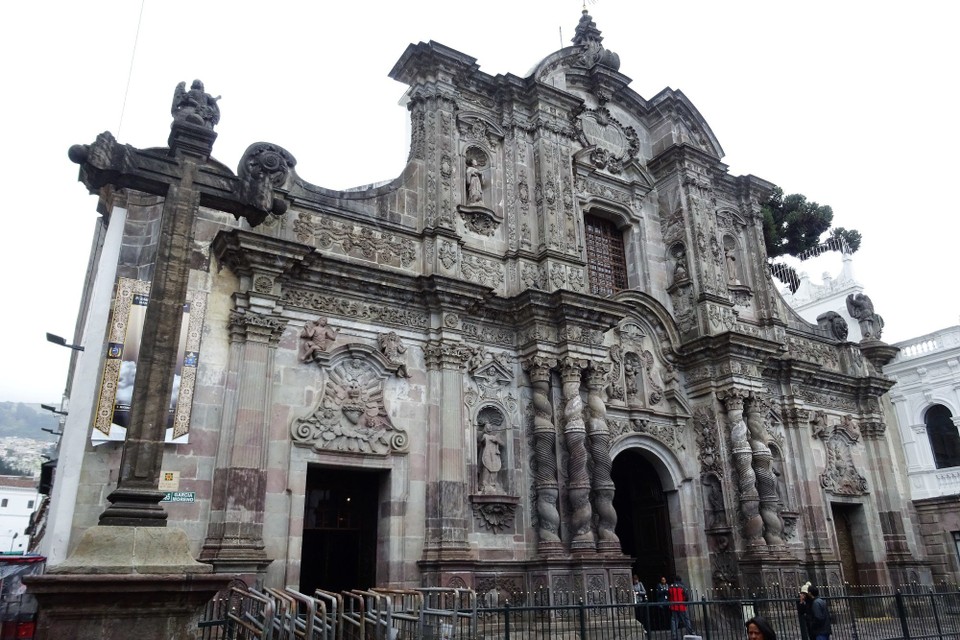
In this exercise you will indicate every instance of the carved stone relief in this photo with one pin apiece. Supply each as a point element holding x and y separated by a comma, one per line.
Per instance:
<point>351,416</point>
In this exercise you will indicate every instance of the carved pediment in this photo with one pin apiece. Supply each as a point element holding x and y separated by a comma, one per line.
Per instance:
<point>351,416</point>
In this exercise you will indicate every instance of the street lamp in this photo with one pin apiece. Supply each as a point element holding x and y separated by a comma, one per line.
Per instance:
<point>53,409</point>
<point>55,339</point>
<point>12,540</point>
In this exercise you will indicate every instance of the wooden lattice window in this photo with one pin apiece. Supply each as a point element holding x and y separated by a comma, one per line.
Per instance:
<point>606,260</point>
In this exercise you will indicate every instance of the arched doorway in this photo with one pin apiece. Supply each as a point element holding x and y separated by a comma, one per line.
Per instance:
<point>643,517</point>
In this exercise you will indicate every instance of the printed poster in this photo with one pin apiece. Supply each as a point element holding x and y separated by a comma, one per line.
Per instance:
<point>120,367</point>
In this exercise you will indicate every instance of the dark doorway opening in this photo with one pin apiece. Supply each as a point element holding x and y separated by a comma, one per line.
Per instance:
<point>340,529</point>
<point>845,520</point>
<point>643,519</point>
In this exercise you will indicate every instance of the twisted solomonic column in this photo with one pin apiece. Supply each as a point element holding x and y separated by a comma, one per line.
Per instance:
<point>545,457</point>
<point>578,479</point>
<point>598,442</point>
<point>762,468</point>
<point>743,461</point>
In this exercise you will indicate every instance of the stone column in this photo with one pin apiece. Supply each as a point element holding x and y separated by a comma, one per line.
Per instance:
<point>545,457</point>
<point>234,540</point>
<point>762,468</point>
<point>746,478</point>
<point>446,510</point>
<point>598,442</point>
<point>578,479</point>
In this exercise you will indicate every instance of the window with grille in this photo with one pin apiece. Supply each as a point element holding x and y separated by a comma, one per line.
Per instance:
<point>606,261</point>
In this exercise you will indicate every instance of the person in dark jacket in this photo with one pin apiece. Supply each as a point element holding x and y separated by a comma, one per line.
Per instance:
<point>818,616</point>
<point>679,617</point>
<point>803,611</point>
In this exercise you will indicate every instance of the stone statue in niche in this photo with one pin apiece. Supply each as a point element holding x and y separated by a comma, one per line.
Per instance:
<point>731,258</point>
<point>474,182</point>
<point>195,106</point>
<point>491,462</point>
<point>393,348</point>
<point>653,377</point>
<point>631,367</point>
<point>860,307</point>
<point>716,511</point>
<point>315,338</point>
<point>680,272</point>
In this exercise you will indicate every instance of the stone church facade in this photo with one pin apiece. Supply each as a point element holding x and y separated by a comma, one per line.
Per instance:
<point>547,354</point>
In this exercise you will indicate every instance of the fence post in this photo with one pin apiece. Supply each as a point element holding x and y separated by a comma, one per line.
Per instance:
<point>583,619</point>
<point>936,616</point>
<point>902,612</point>
<point>506,620</point>
<point>705,618</point>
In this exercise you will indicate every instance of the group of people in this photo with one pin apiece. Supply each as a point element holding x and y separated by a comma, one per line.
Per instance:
<point>673,596</point>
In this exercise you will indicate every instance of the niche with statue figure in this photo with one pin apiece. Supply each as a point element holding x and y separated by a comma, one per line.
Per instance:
<point>478,216</point>
<point>493,506</point>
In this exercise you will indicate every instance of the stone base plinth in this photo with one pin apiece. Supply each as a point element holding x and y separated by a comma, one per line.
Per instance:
<point>122,606</point>
<point>125,582</point>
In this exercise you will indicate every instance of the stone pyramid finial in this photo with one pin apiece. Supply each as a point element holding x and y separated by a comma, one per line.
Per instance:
<point>588,36</point>
<point>586,31</point>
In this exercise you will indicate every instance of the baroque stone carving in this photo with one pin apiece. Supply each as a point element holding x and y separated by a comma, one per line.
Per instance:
<point>743,462</point>
<point>834,324</point>
<point>263,168</point>
<point>316,336</point>
<point>860,306</point>
<point>393,348</point>
<point>574,431</point>
<point>708,442</point>
<point>351,417</point>
<point>494,516</point>
<point>490,423</point>
<point>195,106</point>
<point>352,309</point>
<point>545,456</point>
<point>364,242</point>
<point>612,144</point>
<point>840,476</point>
<point>598,442</point>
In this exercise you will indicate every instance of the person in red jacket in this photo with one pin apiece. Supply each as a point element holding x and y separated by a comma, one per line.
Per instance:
<point>678,608</point>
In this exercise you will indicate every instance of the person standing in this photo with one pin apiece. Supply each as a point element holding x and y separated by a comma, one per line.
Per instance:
<point>661,597</point>
<point>759,629</point>
<point>818,615</point>
<point>639,596</point>
<point>679,617</point>
<point>803,611</point>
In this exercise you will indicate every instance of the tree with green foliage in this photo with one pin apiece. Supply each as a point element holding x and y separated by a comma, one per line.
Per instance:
<point>794,226</point>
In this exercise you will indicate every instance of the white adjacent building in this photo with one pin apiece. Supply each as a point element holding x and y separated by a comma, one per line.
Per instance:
<point>18,500</point>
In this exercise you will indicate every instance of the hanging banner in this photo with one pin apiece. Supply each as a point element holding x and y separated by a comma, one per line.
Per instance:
<point>120,367</point>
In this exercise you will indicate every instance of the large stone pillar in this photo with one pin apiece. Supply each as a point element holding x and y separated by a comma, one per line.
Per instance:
<point>545,458</point>
<point>752,524</point>
<point>234,540</point>
<point>578,479</point>
<point>762,469</point>
<point>447,489</point>
<point>598,442</point>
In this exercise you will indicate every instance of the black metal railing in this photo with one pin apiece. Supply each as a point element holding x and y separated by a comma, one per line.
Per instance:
<point>858,613</point>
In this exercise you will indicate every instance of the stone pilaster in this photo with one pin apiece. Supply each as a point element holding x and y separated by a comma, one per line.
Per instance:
<point>746,478</point>
<point>234,540</point>
<point>578,478</point>
<point>447,490</point>
<point>545,457</point>
<point>598,442</point>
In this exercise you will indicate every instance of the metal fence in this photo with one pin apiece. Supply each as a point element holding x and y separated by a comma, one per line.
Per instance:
<point>857,613</point>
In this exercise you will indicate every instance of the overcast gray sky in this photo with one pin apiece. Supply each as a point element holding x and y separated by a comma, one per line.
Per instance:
<point>852,103</point>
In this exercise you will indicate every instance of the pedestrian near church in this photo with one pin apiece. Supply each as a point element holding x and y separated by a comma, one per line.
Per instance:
<point>803,611</point>
<point>679,616</point>
<point>818,615</point>
<point>639,595</point>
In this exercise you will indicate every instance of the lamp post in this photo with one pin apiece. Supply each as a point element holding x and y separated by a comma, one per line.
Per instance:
<point>13,539</point>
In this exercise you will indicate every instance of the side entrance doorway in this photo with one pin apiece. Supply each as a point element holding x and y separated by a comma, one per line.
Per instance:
<point>340,529</point>
<point>643,518</point>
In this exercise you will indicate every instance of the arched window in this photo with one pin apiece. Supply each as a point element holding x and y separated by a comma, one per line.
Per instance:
<point>606,259</point>
<point>944,439</point>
